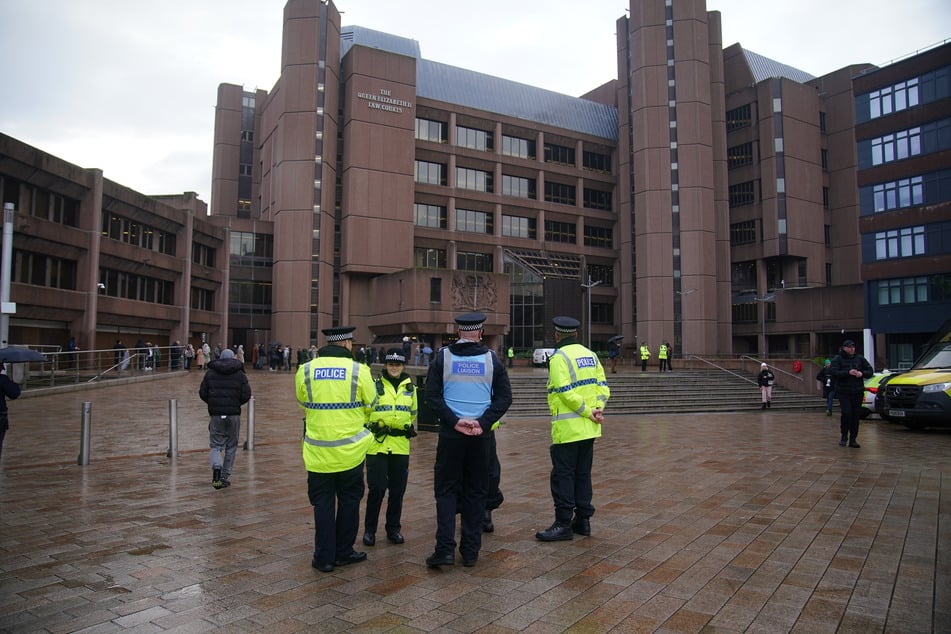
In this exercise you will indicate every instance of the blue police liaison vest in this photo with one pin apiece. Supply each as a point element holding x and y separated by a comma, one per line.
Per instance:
<point>467,383</point>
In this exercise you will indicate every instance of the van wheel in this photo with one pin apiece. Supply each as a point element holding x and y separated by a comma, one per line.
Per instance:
<point>914,426</point>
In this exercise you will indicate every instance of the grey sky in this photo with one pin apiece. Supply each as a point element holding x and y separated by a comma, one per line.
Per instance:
<point>129,86</point>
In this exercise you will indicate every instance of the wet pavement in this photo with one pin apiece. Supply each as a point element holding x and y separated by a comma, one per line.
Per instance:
<point>753,522</point>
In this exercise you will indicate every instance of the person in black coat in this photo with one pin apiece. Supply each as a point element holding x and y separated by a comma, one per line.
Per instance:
<point>8,389</point>
<point>849,371</point>
<point>225,389</point>
<point>824,378</point>
<point>765,380</point>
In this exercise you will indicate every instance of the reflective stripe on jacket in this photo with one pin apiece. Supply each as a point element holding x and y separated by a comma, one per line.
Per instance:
<point>576,387</point>
<point>337,395</point>
<point>395,408</point>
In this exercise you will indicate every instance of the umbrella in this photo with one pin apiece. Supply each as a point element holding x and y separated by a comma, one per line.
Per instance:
<point>16,354</point>
<point>616,338</point>
<point>427,350</point>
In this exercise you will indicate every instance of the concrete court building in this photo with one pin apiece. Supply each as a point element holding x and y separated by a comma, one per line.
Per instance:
<point>706,197</point>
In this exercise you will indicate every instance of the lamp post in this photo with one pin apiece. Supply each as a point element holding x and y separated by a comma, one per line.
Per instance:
<point>589,286</point>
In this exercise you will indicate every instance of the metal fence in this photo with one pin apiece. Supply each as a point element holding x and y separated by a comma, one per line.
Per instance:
<point>88,366</point>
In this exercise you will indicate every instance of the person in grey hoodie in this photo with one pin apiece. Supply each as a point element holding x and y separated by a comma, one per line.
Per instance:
<point>225,389</point>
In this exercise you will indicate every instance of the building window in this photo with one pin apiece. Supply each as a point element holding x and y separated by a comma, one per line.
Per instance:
<point>893,98</point>
<point>38,269</point>
<point>828,274</point>
<point>743,233</point>
<point>247,135</point>
<point>429,130</point>
<point>739,118</point>
<point>136,287</point>
<point>900,243</point>
<point>430,173</point>
<point>518,227</point>
<point>435,290</point>
<point>244,169</point>
<point>559,154</point>
<point>897,146</point>
<point>598,237</point>
<point>824,159</point>
<point>742,194</point>
<point>597,199</point>
<point>471,261</point>
<point>246,297</point>
<point>825,197</point>
<point>827,234</point>
<point>596,162</point>
<point>517,147</point>
<point>476,180</point>
<point>137,234</point>
<point>739,155</point>
<point>601,273</point>
<point>40,203</point>
<point>561,232</point>
<point>202,299</point>
<point>424,258</point>
<point>518,187</point>
<point>430,215</point>
<point>602,313</point>
<point>822,122</point>
<point>907,192</point>
<point>473,138</point>
<point>908,290</point>
<point>251,249</point>
<point>474,221</point>
<point>560,193</point>
<point>203,254</point>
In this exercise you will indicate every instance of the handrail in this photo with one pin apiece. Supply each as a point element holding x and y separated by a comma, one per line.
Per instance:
<point>740,376</point>
<point>127,361</point>
<point>795,376</point>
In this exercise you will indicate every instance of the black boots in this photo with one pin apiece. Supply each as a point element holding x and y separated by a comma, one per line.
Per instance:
<point>556,533</point>
<point>581,526</point>
<point>487,525</point>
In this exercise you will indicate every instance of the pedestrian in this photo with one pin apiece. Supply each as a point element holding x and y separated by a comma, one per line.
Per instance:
<point>177,355</point>
<point>8,389</point>
<point>824,378</point>
<point>614,351</point>
<point>468,389</point>
<point>662,353</point>
<point>511,355</point>
<point>189,356</point>
<point>225,388</point>
<point>645,356</point>
<point>337,395</point>
<point>577,395</point>
<point>200,357</point>
<point>765,380</point>
<point>118,355</point>
<point>849,371</point>
<point>670,356</point>
<point>393,423</point>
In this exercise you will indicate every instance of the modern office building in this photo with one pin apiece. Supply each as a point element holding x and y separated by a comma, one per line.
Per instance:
<point>903,135</point>
<point>97,261</point>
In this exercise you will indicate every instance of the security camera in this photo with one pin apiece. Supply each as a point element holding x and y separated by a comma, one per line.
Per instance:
<point>101,286</point>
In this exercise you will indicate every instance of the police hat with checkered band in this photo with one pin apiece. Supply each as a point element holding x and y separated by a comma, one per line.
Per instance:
<point>566,324</point>
<point>394,355</point>
<point>470,321</point>
<point>338,333</point>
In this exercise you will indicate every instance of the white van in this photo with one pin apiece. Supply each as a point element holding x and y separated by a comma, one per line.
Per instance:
<point>540,356</point>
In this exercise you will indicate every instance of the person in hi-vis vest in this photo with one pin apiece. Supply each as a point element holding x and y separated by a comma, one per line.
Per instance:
<point>337,395</point>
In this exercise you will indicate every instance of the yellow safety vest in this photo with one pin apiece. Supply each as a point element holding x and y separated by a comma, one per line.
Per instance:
<point>576,387</point>
<point>645,352</point>
<point>338,396</point>
<point>396,409</point>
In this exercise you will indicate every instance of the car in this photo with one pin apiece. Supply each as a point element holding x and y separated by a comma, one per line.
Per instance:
<point>920,397</point>
<point>871,389</point>
<point>540,356</point>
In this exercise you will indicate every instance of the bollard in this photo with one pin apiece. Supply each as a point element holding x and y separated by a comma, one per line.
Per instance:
<point>85,434</point>
<point>172,428</point>
<point>249,441</point>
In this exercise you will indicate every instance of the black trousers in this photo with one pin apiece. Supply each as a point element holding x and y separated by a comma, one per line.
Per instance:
<point>571,488</point>
<point>336,501</point>
<point>493,495</point>
<point>385,471</point>
<point>851,405</point>
<point>460,477</point>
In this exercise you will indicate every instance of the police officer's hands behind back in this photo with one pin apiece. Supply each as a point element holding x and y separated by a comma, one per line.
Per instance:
<point>469,427</point>
<point>598,416</point>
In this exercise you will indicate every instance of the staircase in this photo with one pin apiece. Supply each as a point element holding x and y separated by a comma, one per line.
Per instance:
<point>664,393</point>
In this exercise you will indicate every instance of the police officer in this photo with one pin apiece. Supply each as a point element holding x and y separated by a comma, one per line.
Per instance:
<point>393,424</point>
<point>645,356</point>
<point>577,395</point>
<point>849,371</point>
<point>338,395</point>
<point>468,390</point>
<point>662,353</point>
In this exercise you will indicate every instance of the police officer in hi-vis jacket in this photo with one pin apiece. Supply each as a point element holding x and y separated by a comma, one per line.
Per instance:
<point>337,394</point>
<point>468,389</point>
<point>577,395</point>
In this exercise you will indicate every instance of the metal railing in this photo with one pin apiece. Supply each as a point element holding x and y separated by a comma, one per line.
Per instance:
<point>772,367</point>
<point>720,367</point>
<point>88,366</point>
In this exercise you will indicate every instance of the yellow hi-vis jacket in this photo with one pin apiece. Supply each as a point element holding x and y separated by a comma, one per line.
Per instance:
<point>338,396</point>
<point>645,352</point>
<point>662,352</point>
<point>576,387</point>
<point>395,409</point>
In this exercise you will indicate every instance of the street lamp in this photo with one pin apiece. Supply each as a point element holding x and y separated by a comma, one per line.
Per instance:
<point>589,286</point>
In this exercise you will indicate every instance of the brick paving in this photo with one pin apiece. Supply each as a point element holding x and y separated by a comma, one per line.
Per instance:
<point>753,522</point>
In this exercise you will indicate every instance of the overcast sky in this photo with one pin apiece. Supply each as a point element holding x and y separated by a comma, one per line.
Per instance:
<point>129,86</point>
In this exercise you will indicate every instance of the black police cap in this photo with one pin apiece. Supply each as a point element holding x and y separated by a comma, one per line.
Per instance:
<point>339,333</point>
<point>566,324</point>
<point>470,321</point>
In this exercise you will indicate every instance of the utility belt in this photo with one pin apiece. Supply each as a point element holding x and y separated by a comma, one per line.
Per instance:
<point>380,430</point>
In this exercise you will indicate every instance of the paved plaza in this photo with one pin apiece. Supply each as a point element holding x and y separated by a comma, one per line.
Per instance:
<point>754,522</point>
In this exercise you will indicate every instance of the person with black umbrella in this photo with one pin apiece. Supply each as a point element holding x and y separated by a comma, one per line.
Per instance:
<point>8,389</point>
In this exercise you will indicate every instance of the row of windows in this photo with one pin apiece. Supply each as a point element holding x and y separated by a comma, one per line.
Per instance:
<point>43,270</point>
<point>474,221</point>
<point>927,88</point>
<point>203,254</point>
<point>900,243</point>
<point>914,290</point>
<point>243,294</point>
<point>202,299</point>
<point>138,287</point>
<point>926,139</point>
<point>598,237</point>
<point>927,189</point>
<point>429,216</point>
<point>742,233</point>
<point>737,118</point>
<point>739,155</point>
<point>742,194</point>
<point>136,233</point>
<point>477,139</point>
<point>518,227</point>
<point>39,203</point>
<point>251,249</point>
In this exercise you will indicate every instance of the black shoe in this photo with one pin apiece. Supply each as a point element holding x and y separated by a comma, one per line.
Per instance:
<point>436,560</point>
<point>764,405</point>
<point>555,533</point>
<point>216,478</point>
<point>469,563</point>
<point>842,443</point>
<point>855,445</point>
<point>581,526</point>
<point>225,484</point>
<point>769,404</point>
<point>369,538</point>
<point>322,567</point>
<point>487,525</point>
<point>352,558</point>
<point>395,538</point>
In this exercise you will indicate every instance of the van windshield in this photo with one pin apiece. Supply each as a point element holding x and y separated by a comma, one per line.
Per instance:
<point>936,358</point>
